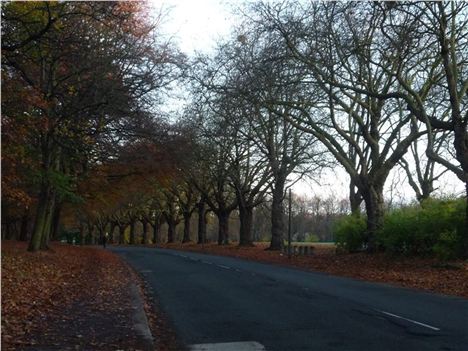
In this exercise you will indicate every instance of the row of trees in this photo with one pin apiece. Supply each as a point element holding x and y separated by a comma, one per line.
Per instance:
<point>363,83</point>
<point>78,80</point>
<point>371,87</point>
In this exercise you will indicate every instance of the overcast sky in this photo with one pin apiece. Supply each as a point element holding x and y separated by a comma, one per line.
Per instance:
<point>195,25</point>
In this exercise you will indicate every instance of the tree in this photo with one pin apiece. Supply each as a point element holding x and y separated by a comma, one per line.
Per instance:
<point>88,68</point>
<point>345,79</point>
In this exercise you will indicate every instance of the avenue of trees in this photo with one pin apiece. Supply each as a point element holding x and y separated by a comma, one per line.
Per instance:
<point>298,88</point>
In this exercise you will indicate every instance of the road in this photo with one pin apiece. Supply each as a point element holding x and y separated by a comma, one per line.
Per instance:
<point>213,299</point>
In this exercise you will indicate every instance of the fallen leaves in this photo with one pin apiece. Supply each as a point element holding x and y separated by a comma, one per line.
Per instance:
<point>66,298</point>
<point>428,274</point>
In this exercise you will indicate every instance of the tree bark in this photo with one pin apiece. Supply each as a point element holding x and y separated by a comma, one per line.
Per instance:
<point>132,232</point>
<point>374,202</point>
<point>82,234</point>
<point>186,237</point>
<point>277,218</point>
<point>24,226</point>
<point>355,199</point>
<point>8,231</point>
<point>48,223</point>
<point>201,222</point>
<point>90,236</point>
<point>122,228</point>
<point>223,227</point>
<point>465,234</point>
<point>171,230</point>
<point>56,221</point>
<point>39,223</point>
<point>156,228</point>
<point>113,225</point>
<point>245,230</point>
<point>144,239</point>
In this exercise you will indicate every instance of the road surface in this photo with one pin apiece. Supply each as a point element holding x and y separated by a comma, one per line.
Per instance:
<point>212,299</point>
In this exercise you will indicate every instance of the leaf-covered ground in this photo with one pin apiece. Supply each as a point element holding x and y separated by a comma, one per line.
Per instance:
<point>428,274</point>
<point>71,298</point>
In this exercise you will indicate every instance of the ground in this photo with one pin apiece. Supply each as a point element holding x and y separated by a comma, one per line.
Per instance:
<point>73,298</point>
<point>421,273</point>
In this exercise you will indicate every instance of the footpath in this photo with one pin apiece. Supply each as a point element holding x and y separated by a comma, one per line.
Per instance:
<point>76,298</point>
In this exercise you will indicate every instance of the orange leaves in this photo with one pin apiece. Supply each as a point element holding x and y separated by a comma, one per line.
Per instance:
<point>41,286</point>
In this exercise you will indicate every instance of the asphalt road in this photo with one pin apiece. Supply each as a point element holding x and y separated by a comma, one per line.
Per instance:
<point>212,299</point>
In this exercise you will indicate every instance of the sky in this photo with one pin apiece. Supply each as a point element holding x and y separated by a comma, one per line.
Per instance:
<point>196,25</point>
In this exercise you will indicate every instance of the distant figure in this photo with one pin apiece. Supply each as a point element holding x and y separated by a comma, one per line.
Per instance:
<point>104,240</point>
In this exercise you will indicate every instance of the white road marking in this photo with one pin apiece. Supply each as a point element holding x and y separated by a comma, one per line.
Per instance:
<point>409,320</point>
<point>225,267</point>
<point>229,346</point>
<point>206,262</point>
<point>183,256</point>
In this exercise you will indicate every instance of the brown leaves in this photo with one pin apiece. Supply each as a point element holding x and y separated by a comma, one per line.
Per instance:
<point>418,273</point>
<point>64,297</point>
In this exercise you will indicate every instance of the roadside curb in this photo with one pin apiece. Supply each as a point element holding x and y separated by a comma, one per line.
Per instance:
<point>139,319</point>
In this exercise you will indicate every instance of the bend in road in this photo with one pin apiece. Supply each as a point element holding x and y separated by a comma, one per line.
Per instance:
<point>215,299</point>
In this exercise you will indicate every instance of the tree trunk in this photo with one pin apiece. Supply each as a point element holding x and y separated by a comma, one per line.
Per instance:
<point>201,222</point>
<point>171,228</point>
<point>8,231</point>
<point>223,227</point>
<point>374,202</point>
<point>24,226</point>
<point>48,223</point>
<point>144,239</point>
<point>277,218</point>
<point>39,223</point>
<point>56,221</point>
<point>113,225</point>
<point>355,199</point>
<point>245,231</point>
<point>156,228</point>
<point>90,236</point>
<point>122,228</point>
<point>465,234</point>
<point>132,232</point>
<point>82,234</point>
<point>186,237</point>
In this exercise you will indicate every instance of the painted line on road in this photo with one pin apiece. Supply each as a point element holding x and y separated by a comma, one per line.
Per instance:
<point>225,267</point>
<point>409,320</point>
<point>206,262</point>
<point>229,346</point>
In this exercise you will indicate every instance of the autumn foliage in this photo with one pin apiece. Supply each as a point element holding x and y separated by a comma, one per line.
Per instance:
<point>70,297</point>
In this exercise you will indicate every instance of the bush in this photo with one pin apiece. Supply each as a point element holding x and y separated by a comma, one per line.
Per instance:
<point>311,238</point>
<point>350,233</point>
<point>435,227</point>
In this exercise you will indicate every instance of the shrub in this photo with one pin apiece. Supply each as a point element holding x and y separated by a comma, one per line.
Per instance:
<point>350,233</point>
<point>311,238</point>
<point>434,227</point>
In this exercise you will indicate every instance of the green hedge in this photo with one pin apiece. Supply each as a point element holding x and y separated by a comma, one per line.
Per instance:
<point>350,233</point>
<point>434,228</point>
